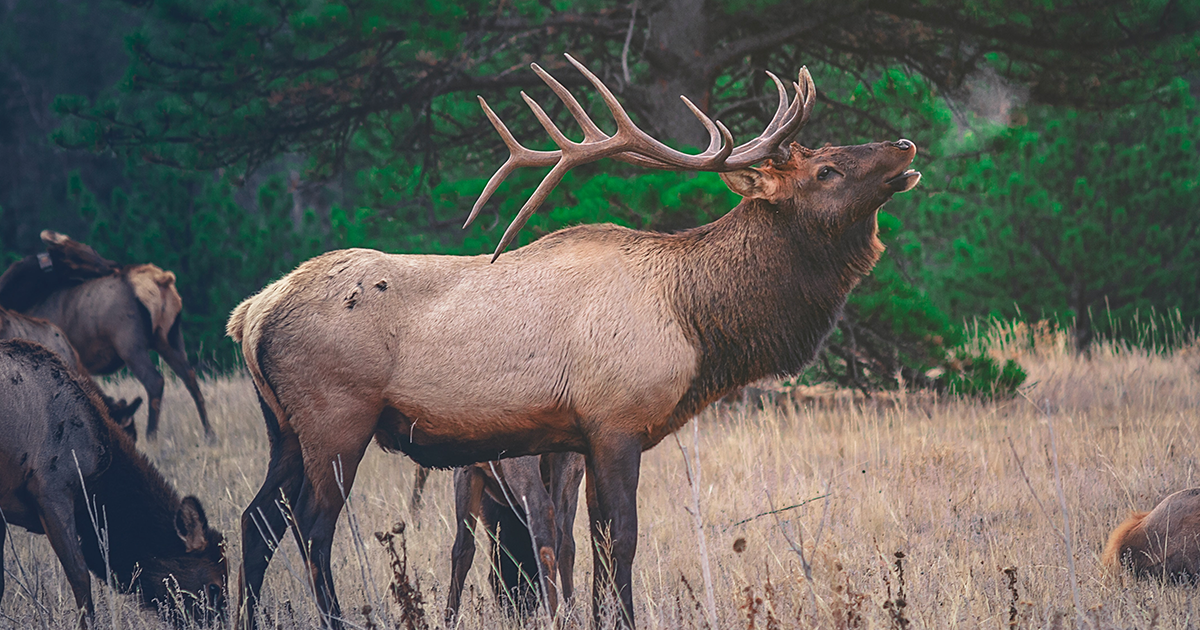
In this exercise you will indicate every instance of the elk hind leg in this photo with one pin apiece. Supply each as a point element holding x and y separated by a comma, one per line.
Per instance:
<point>173,351</point>
<point>330,462</point>
<point>266,518</point>
<point>468,491</point>
<point>137,358</point>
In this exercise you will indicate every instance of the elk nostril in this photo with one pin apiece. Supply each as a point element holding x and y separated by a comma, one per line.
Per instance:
<point>904,145</point>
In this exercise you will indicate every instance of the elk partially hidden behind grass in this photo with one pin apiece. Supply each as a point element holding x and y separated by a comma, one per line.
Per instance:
<point>1163,543</point>
<point>63,463</point>
<point>595,339</point>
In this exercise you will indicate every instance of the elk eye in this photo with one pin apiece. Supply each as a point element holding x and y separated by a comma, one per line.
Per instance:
<point>825,172</point>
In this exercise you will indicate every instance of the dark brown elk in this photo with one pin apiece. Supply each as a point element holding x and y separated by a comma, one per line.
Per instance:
<point>114,321</point>
<point>14,325</point>
<point>62,456</point>
<point>533,500</point>
<point>1163,543</point>
<point>595,339</point>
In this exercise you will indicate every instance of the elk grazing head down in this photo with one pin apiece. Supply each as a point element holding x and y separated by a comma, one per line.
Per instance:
<point>595,339</point>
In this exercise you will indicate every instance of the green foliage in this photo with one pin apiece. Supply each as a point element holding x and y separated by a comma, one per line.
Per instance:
<point>1071,216</point>
<point>981,377</point>
<point>220,250</point>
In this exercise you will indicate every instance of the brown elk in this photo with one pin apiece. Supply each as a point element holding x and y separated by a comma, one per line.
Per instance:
<point>528,506</point>
<point>595,339</point>
<point>14,325</point>
<point>114,320</point>
<point>1163,543</point>
<point>66,470</point>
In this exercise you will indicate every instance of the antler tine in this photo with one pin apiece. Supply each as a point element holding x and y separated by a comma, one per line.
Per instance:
<point>783,104</point>
<point>518,156</point>
<point>810,98</point>
<point>715,141</point>
<point>590,130</point>
<point>535,200</point>
<point>638,141</point>
<point>781,114</point>
<point>768,144</point>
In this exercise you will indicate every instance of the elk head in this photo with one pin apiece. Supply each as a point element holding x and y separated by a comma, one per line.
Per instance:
<point>194,580</point>
<point>832,188</point>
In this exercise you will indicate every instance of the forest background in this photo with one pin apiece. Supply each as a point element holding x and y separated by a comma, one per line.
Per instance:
<point>228,141</point>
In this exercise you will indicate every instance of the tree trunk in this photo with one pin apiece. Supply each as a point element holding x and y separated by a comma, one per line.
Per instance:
<point>676,53</point>
<point>1083,318</point>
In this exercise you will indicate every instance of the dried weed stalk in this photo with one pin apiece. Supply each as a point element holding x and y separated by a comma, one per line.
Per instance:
<point>405,592</point>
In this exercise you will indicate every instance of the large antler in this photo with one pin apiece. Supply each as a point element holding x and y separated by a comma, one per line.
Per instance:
<point>634,146</point>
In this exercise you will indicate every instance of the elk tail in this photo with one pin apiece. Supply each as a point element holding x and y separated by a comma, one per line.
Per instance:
<point>236,326</point>
<point>1119,537</point>
<point>242,329</point>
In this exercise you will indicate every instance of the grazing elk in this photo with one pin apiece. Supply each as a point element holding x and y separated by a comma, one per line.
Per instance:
<point>113,320</point>
<point>595,339</point>
<point>14,325</point>
<point>61,457</point>
<point>528,506</point>
<point>1163,543</point>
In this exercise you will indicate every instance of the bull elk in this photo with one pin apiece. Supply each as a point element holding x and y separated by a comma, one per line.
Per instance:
<point>595,339</point>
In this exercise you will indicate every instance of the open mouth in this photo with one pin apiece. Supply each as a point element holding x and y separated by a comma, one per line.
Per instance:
<point>904,181</point>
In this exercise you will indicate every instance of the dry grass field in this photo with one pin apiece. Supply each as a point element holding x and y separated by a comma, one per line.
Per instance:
<point>964,490</point>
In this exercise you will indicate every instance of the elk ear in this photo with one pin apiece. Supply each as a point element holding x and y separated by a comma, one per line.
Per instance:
<point>127,424</point>
<point>752,183</point>
<point>191,524</point>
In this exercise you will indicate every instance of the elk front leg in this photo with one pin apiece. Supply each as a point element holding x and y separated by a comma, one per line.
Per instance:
<point>58,521</point>
<point>612,481</point>
<point>418,492</point>
<point>138,361</point>
<point>3,533</point>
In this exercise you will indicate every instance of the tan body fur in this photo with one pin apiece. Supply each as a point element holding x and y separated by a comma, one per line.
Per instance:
<point>1163,543</point>
<point>116,320</point>
<point>596,339</point>
<point>536,380</point>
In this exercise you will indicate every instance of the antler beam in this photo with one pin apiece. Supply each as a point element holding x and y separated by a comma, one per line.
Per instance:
<point>632,145</point>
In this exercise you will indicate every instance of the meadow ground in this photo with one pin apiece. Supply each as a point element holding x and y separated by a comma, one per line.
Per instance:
<point>966,491</point>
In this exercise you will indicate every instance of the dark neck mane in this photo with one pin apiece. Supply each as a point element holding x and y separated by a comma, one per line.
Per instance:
<point>139,508</point>
<point>758,291</point>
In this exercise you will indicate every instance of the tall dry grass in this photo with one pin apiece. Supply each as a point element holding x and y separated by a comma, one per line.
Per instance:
<point>935,513</point>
